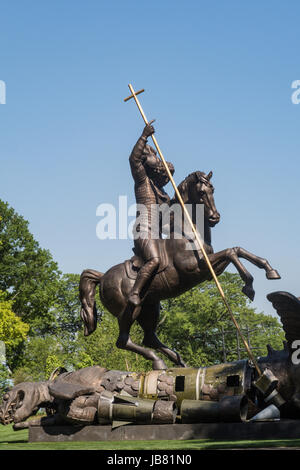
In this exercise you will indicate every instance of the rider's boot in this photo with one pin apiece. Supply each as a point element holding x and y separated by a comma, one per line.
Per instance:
<point>144,275</point>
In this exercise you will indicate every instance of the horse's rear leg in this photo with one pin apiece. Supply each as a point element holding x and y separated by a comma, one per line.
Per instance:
<point>124,341</point>
<point>148,319</point>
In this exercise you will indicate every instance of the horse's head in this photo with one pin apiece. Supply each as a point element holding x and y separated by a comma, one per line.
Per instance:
<point>22,401</point>
<point>197,189</point>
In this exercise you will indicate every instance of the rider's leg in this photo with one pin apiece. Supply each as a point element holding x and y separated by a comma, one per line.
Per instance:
<point>149,250</point>
<point>144,275</point>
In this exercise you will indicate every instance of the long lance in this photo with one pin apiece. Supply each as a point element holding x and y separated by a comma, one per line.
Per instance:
<point>194,229</point>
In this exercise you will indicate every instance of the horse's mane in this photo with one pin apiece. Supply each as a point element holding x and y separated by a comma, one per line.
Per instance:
<point>191,178</point>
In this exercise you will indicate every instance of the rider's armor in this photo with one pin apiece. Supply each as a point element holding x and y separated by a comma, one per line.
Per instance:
<point>150,194</point>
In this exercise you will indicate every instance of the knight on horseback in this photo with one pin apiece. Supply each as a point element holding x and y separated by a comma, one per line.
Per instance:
<point>168,267</point>
<point>150,177</point>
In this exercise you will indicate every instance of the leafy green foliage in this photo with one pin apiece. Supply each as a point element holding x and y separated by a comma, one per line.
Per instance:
<point>35,363</point>
<point>5,381</point>
<point>13,330</point>
<point>101,347</point>
<point>42,355</point>
<point>27,272</point>
<point>198,326</point>
<point>66,308</point>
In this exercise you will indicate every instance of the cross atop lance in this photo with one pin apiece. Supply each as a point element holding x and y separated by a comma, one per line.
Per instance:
<point>194,229</point>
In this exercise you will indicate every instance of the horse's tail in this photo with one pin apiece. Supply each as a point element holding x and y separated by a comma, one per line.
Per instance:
<point>89,279</point>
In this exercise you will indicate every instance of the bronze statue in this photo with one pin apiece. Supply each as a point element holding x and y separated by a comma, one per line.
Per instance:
<point>162,268</point>
<point>168,267</point>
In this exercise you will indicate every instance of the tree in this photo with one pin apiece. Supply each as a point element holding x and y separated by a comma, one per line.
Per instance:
<point>66,308</point>
<point>40,354</point>
<point>101,347</point>
<point>27,272</point>
<point>198,326</point>
<point>5,381</point>
<point>13,330</point>
<point>44,354</point>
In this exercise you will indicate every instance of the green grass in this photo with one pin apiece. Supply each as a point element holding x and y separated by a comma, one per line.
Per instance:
<point>18,440</point>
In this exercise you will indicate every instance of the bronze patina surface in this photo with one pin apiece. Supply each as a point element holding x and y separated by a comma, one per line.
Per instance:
<point>162,267</point>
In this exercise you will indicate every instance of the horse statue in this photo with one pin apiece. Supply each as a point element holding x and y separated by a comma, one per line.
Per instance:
<point>181,268</point>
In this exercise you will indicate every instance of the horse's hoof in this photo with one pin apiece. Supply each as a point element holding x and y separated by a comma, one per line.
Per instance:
<point>273,274</point>
<point>159,365</point>
<point>249,292</point>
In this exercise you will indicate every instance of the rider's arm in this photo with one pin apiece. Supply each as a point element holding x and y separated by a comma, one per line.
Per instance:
<point>136,158</point>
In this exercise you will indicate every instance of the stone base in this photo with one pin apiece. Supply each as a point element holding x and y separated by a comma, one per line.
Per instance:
<point>285,429</point>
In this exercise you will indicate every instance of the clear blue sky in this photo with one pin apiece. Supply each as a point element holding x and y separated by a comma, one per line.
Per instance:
<point>218,81</point>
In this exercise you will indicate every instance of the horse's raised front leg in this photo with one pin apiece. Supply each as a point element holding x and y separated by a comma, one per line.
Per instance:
<point>223,258</point>
<point>124,341</point>
<point>261,263</point>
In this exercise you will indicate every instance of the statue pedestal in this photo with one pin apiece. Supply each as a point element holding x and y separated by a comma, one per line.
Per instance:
<point>284,429</point>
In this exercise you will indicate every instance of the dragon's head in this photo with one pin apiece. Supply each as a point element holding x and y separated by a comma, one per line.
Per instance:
<point>23,401</point>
